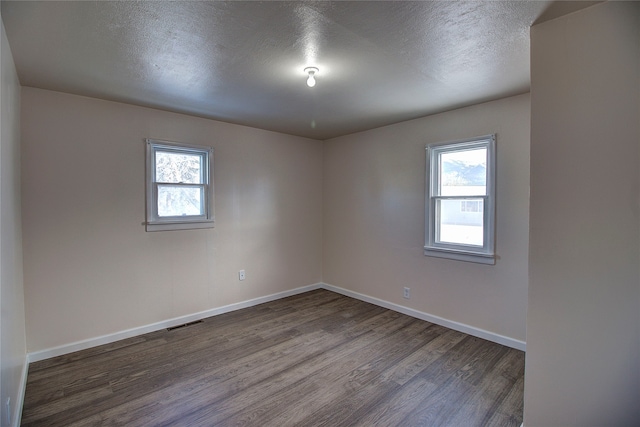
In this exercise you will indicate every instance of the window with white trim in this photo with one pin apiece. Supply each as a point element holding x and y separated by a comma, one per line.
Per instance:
<point>460,200</point>
<point>179,186</point>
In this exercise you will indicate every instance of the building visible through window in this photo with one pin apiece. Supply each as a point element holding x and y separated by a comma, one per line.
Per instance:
<point>471,206</point>
<point>459,207</point>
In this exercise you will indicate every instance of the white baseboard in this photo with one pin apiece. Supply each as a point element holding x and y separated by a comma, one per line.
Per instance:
<point>461,327</point>
<point>22,388</point>
<point>36,356</point>
<point>109,338</point>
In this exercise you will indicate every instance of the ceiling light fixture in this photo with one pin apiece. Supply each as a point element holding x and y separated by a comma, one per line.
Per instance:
<point>311,71</point>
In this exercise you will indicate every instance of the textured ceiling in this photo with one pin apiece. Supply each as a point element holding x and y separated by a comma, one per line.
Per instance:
<point>242,62</point>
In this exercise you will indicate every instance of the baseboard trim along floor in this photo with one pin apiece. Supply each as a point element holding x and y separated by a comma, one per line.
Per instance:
<point>460,327</point>
<point>318,358</point>
<point>110,338</point>
<point>22,388</point>
<point>37,356</point>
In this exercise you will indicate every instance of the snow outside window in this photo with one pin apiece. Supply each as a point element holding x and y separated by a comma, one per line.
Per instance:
<point>179,186</point>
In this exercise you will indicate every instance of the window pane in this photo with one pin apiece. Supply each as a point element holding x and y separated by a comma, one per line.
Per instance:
<point>180,200</point>
<point>471,206</point>
<point>463,173</point>
<point>178,167</point>
<point>460,221</point>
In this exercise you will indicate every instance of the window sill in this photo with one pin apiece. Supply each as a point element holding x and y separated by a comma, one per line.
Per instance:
<point>178,225</point>
<point>479,258</point>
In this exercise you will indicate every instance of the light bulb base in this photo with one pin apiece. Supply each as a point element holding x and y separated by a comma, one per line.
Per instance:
<point>311,71</point>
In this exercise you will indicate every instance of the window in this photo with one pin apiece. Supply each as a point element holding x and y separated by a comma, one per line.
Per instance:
<point>460,200</point>
<point>179,186</point>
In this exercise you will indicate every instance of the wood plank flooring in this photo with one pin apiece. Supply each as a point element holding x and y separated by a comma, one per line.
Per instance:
<point>314,359</point>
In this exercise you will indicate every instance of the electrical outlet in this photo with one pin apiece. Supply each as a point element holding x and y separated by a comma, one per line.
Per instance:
<point>406,293</point>
<point>241,275</point>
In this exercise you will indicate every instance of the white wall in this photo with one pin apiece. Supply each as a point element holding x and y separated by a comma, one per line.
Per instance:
<point>91,269</point>
<point>12,324</point>
<point>583,326</point>
<point>374,219</point>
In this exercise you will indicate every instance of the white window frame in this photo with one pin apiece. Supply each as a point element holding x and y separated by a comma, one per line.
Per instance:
<point>462,252</point>
<point>156,223</point>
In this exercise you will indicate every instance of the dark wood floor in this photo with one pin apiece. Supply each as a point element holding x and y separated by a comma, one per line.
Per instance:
<point>314,359</point>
